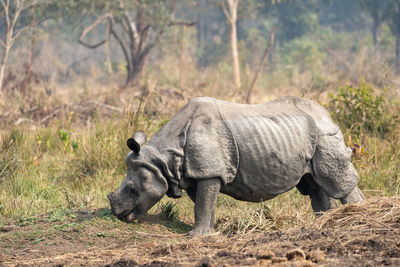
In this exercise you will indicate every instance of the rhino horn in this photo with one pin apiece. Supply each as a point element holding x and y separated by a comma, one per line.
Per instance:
<point>138,139</point>
<point>110,196</point>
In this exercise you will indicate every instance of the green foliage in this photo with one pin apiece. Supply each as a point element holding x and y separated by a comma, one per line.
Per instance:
<point>361,109</point>
<point>38,240</point>
<point>169,211</point>
<point>392,13</point>
<point>23,220</point>
<point>104,234</point>
<point>296,18</point>
<point>342,15</point>
<point>106,214</point>
<point>60,215</point>
<point>68,144</point>
<point>303,51</point>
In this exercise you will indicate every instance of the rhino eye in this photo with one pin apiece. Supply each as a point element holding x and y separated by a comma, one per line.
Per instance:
<point>132,191</point>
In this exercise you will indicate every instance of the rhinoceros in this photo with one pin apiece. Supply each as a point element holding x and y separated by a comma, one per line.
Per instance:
<point>249,152</point>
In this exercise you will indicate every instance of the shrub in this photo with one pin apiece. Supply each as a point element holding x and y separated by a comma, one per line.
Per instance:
<point>168,211</point>
<point>362,109</point>
<point>304,52</point>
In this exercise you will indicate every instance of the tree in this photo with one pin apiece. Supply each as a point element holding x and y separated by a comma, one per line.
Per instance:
<point>393,11</point>
<point>377,11</point>
<point>231,15</point>
<point>342,15</point>
<point>11,12</point>
<point>210,28</point>
<point>295,18</point>
<point>136,26</point>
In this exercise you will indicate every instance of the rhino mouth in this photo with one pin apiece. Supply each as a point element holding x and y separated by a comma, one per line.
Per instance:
<point>126,217</point>
<point>130,217</point>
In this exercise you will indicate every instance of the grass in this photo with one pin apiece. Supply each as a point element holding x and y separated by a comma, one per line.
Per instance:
<point>55,175</point>
<point>66,166</point>
<point>379,165</point>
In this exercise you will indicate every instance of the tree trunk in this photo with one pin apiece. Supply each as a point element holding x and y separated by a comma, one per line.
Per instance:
<point>200,24</point>
<point>397,51</point>
<point>203,30</point>
<point>231,16</point>
<point>375,27</point>
<point>235,54</point>
<point>2,68</point>
<point>107,50</point>
<point>135,69</point>
<point>182,57</point>
<point>3,65</point>
<point>132,78</point>
<point>397,28</point>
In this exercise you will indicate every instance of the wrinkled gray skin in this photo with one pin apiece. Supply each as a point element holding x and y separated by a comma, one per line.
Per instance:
<point>250,152</point>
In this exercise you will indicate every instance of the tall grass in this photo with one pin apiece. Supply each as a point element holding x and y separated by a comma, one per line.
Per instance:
<point>64,166</point>
<point>370,121</point>
<point>67,165</point>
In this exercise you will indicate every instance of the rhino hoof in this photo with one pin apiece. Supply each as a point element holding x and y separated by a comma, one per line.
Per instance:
<point>201,232</point>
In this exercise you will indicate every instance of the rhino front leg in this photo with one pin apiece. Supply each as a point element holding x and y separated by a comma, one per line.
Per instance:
<point>205,197</point>
<point>320,200</point>
<point>355,196</point>
<point>192,194</point>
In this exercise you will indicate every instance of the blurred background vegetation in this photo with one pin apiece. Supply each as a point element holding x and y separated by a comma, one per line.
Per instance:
<point>318,43</point>
<point>77,78</point>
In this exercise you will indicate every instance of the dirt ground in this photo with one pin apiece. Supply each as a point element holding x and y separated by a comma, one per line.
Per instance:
<point>366,234</point>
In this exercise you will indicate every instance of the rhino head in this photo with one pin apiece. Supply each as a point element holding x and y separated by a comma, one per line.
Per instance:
<point>144,184</point>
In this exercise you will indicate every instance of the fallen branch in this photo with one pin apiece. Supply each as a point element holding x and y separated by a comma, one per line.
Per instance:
<point>171,235</point>
<point>51,115</point>
<point>104,105</point>
<point>7,228</point>
<point>21,120</point>
<point>253,82</point>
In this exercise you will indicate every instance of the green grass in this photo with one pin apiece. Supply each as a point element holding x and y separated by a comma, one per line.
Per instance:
<point>65,167</point>
<point>42,170</point>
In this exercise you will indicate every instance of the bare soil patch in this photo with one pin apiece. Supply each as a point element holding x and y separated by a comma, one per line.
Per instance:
<point>366,234</point>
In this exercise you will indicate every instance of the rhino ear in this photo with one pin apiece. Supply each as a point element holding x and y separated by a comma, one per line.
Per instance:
<point>138,139</point>
<point>133,145</point>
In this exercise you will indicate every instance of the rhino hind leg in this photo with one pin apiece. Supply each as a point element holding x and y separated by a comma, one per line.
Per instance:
<point>320,201</point>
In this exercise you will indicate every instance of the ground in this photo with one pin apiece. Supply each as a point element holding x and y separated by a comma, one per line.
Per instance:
<point>366,234</point>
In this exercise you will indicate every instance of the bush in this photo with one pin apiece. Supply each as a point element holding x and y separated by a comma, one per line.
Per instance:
<point>362,109</point>
<point>304,52</point>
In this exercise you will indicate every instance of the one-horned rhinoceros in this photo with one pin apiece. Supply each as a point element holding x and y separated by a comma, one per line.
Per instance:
<point>249,152</point>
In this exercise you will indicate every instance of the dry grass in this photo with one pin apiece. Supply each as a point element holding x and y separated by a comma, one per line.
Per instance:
<point>46,174</point>
<point>356,234</point>
<point>42,172</point>
<point>374,214</point>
